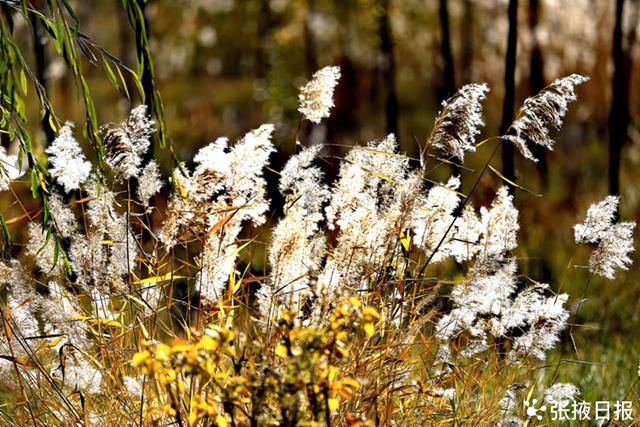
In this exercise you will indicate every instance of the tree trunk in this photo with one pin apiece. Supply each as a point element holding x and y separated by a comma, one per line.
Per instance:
<point>310,52</point>
<point>40,54</point>
<point>541,265</point>
<point>311,63</point>
<point>125,53</point>
<point>264,22</point>
<point>147,74</point>
<point>537,83</point>
<point>449,81</point>
<point>467,45</point>
<point>445,50</point>
<point>508,166</point>
<point>619,114</point>
<point>388,68</point>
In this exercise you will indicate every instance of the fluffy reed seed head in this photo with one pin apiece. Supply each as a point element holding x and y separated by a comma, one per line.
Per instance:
<point>458,123</point>
<point>541,111</point>
<point>316,97</point>
<point>613,241</point>
<point>127,143</point>
<point>68,165</point>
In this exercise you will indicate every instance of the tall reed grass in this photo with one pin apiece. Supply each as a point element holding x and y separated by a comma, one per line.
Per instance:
<point>388,298</point>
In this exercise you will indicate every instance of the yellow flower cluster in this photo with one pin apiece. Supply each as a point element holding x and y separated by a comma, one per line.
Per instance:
<point>298,379</point>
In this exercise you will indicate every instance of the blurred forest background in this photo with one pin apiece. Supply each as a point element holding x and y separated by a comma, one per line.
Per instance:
<point>223,67</point>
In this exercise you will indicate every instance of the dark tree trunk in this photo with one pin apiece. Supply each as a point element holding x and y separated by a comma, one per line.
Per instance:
<point>449,80</point>
<point>619,114</point>
<point>264,22</point>
<point>147,73</point>
<point>40,54</point>
<point>445,50</point>
<point>140,26</point>
<point>310,52</point>
<point>125,53</point>
<point>537,83</point>
<point>311,64</point>
<point>388,68</point>
<point>467,45</point>
<point>508,166</point>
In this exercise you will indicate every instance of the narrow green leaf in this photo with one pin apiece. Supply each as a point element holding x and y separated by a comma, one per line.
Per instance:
<point>73,14</point>
<point>25,138</point>
<point>23,82</point>
<point>91,109</point>
<point>5,230</point>
<point>124,83</point>
<point>140,66</point>
<point>138,81</point>
<point>21,108</point>
<point>67,264</point>
<point>110,74</point>
<point>51,29</point>
<point>56,252</point>
<point>45,215</point>
<point>59,37</point>
<point>53,124</point>
<point>46,241</point>
<point>34,183</point>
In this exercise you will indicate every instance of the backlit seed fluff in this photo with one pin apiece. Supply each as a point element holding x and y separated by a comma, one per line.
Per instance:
<point>599,218</point>
<point>614,240</point>
<point>561,392</point>
<point>612,252</point>
<point>316,97</point>
<point>458,123</point>
<point>542,111</point>
<point>126,144</point>
<point>149,182</point>
<point>9,169</point>
<point>68,165</point>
